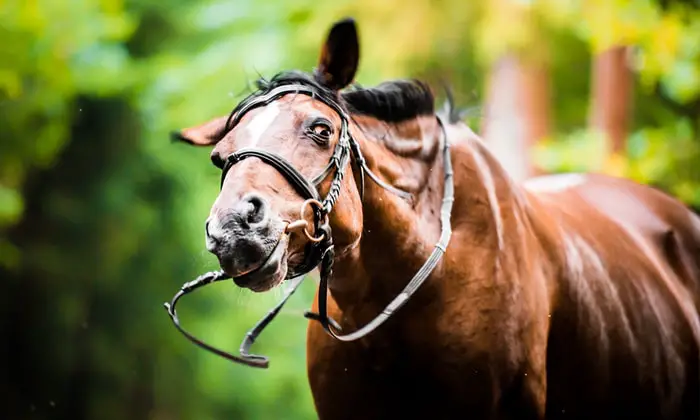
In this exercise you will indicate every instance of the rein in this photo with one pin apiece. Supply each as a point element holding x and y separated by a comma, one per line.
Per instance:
<point>320,248</point>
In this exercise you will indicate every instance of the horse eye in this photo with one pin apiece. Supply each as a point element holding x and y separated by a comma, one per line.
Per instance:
<point>321,130</point>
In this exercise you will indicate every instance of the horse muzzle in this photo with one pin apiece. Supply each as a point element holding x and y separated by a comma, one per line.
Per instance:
<point>250,245</point>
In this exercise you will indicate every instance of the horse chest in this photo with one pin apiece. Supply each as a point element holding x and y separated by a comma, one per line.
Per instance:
<point>383,378</point>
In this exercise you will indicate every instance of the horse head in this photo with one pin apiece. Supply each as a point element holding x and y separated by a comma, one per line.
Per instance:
<point>294,156</point>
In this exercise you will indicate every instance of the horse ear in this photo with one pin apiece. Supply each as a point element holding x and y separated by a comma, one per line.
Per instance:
<point>206,134</point>
<point>339,56</point>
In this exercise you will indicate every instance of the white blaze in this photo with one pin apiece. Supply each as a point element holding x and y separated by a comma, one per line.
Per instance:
<point>261,122</point>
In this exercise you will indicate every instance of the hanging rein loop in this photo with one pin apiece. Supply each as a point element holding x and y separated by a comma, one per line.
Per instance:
<point>245,357</point>
<point>319,249</point>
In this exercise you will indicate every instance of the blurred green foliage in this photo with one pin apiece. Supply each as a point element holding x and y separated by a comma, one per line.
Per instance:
<point>663,147</point>
<point>101,217</point>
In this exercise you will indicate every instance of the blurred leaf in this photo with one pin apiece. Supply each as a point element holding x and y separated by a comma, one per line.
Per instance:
<point>11,205</point>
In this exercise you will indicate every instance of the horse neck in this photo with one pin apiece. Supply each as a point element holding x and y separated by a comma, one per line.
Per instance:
<point>506,237</point>
<point>398,236</point>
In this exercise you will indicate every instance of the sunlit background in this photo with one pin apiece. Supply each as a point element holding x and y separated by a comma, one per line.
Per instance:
<point>101,216</point>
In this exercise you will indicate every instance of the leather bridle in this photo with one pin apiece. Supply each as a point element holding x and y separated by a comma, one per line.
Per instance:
<point>319,249</point>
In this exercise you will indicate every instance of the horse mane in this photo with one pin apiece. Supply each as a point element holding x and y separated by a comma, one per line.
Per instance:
<point>392,101</point>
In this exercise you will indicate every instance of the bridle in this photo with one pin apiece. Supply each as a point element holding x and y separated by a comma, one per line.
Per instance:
<point>319,249</point>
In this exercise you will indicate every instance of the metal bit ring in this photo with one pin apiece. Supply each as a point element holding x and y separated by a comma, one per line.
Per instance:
<point>307,204</point>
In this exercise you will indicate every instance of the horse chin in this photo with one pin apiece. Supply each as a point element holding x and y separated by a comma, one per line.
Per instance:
<point>270,274</point>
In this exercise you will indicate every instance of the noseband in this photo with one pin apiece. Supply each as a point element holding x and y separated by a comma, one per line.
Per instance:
<point>319,249</point>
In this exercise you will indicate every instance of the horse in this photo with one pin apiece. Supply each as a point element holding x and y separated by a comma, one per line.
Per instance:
<point>562,296</point>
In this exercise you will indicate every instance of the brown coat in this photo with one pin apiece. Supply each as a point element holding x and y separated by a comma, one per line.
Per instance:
<point>574,296</point>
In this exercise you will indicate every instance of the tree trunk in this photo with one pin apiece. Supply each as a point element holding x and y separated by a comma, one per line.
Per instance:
<point>611,101</point>
<point>517,113</point>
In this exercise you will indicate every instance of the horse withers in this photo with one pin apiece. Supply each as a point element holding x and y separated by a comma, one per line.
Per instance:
<point>567,296</point>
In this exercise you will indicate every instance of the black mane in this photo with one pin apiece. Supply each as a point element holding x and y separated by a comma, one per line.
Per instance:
<point>393,101</point>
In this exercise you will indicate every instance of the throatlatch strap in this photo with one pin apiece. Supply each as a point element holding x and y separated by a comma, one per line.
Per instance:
<point>416,281</point>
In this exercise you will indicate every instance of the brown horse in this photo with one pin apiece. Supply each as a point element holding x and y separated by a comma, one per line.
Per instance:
<point>570,296</point>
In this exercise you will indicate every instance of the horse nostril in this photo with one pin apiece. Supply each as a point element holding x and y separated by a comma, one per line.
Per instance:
<point>217,160</point>
<point>206,229</point>
<point>256,209</point>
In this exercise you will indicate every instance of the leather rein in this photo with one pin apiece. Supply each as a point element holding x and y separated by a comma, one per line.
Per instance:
<point>319,249</point>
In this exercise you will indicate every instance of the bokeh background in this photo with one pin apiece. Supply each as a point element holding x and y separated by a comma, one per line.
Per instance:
<point>101,216</point>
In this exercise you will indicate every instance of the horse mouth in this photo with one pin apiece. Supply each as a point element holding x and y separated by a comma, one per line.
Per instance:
<point>270,273</point>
